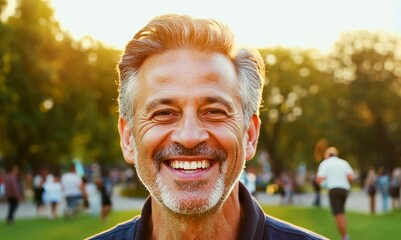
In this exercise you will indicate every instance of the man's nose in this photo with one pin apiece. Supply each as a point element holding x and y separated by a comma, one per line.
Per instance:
<point>190,131</point>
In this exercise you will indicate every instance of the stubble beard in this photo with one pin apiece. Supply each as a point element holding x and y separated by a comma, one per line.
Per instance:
<point>193,202</point>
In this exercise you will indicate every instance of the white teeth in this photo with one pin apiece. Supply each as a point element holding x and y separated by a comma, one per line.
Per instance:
<point>190,165</point>
<point>187,165</point>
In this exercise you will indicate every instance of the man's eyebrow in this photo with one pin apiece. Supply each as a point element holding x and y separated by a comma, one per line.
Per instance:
<point>218,99</point>
<point>158,101</point>
<point>209,100</point>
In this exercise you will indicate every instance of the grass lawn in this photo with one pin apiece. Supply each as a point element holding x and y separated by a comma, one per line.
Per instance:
<point>361,226</point>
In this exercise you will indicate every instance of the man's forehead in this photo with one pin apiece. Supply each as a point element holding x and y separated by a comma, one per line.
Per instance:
<point>210,66</point>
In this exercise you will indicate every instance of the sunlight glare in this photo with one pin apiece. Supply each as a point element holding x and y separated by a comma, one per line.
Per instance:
<point>259,23</point>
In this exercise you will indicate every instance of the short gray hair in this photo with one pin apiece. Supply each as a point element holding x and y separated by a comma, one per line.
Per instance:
<point>172,31</point>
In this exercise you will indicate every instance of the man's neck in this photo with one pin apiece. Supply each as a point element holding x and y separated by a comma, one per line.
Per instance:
<point>220,224</point>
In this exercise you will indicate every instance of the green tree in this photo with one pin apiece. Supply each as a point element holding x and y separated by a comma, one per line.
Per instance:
<point>370,67</point>
<point>57,94</point>
<point>26,78</point>
<point>298,101</point>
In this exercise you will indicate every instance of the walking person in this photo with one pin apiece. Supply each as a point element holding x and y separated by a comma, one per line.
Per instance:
<point>12,191</point>
<point>38,181</point>
<point>52,194</point>
<point>370,188</point>
<point>104,186</point>
<point>73,190</point>
<point>337,175</point>
<point>395,184</point>
<point>383,185</point>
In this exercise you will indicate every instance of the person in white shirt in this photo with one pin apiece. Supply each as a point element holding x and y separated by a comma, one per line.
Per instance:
<point>336,173</point>
<point>73,189</point>
<point>52,194</point>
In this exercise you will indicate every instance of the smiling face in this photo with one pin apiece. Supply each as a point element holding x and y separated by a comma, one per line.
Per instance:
<point>189,140</point>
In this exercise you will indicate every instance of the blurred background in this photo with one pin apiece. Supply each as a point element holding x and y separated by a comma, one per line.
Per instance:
<point>333,79</point>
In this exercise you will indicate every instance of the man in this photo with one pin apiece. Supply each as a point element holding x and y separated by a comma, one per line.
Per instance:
<point>73,190</point>
<point>13,192</point>
<point>337,174</point>
<point>188,106</point>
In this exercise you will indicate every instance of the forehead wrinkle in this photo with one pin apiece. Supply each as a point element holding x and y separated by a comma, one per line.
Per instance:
<point>188,76</point>
<point>159,101</point>
<point>212,76</point>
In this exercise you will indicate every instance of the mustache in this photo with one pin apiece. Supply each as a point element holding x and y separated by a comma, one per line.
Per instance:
<point>202,149</point>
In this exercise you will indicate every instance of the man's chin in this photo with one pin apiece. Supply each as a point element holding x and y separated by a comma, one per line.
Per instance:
<point>187,203</point>
<point>190,198</point>
<point>189,206</point>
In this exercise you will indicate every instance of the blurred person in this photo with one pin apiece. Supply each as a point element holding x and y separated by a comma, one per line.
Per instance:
<point>286,183</point>
<point>93,196</point>
<point>337,175</point>
<point>52,194</point>
<point>319,150</point>
<point>189,105</point>
<point>38,181</point>
<point>85,199</point>
<point>73,190</point>
<point>383,185</point>
<point>370,187</point>
<point>395,184</point>
<point>103,185</point>
<point>12,192</point>
<point>316,189</point>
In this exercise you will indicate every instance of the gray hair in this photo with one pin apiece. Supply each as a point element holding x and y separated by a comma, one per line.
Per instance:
<point>170,32</point>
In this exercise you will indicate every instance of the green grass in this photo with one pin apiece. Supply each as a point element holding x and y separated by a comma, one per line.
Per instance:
<point>61,229</point>
<point>361,226</point>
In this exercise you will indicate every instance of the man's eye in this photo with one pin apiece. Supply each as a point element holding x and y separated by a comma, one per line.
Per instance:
<point>216,111</point>
<point>163,113</point>
<point>215,114</point>
<point>164,116</point>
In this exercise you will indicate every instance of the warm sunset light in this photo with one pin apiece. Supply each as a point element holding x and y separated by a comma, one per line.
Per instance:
<point>261,23</point>
<point>186,132</point>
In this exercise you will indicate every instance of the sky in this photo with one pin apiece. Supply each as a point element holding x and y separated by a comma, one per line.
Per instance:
<point>258,23</point>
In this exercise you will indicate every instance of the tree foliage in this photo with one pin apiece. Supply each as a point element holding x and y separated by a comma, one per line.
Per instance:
<point>350,98</point>
<point>57,94</point>
<point>369,65</point>
<point>299,107</point>
<point>58,97</point>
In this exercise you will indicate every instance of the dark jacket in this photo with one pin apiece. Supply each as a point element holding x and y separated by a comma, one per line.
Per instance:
<point>255,224</point>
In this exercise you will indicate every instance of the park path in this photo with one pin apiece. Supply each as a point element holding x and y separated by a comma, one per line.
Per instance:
<point>357,202</point>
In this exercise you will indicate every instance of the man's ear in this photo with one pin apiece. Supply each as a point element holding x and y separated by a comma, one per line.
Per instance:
<point>253,136</point>
<point>126,141</point>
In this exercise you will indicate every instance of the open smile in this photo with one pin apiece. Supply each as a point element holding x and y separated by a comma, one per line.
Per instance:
<point>182,168</point>
<point>189,165</point>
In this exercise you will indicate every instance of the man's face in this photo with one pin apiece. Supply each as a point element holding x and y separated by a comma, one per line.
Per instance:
<point>189,139</point>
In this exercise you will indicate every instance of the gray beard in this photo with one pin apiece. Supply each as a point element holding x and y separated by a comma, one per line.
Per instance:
<point>194,205</point>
